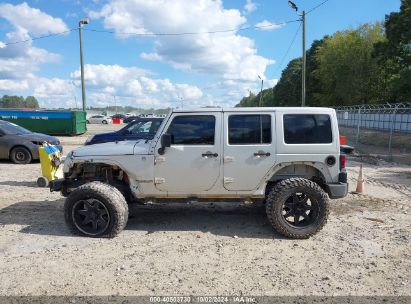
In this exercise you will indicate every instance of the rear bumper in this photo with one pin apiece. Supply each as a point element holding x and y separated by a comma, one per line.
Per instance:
<point>340,189</point>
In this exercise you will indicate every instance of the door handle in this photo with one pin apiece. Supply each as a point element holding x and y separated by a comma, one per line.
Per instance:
<point>209,154</point>
<point>262,153</point>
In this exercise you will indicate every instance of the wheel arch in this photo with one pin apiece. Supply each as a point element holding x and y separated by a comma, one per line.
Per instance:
<point>313,171</point>
<point>97,171</point>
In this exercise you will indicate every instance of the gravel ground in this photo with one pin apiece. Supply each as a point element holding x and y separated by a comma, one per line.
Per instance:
<point>207,249</point>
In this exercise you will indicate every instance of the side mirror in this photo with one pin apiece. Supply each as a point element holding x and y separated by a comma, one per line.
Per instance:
<point>165,143</point>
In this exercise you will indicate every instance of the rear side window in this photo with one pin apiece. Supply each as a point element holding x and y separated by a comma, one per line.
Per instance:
<point>307,129</point>
<point>192,130</point>
<point>249,129</point>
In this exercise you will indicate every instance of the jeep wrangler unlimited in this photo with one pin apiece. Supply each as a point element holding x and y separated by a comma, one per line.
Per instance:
<point>288,158</point>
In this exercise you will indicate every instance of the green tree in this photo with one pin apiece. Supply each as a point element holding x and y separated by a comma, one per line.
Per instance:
<point>18,102</point>
<point>31,102</point>
<point>347,71</point>
<point>394,54</point>
<point>287,92</point>
<point>249,101</point>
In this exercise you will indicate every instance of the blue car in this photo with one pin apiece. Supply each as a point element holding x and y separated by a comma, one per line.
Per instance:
<point>142,128</point>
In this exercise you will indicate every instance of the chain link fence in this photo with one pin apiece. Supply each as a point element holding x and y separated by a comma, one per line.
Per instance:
<point>383,130</point>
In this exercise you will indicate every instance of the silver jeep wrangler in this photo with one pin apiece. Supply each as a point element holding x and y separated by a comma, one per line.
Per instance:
<point>288,158</point>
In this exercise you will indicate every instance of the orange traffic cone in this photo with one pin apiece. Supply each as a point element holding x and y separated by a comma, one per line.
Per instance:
<point>360,182</point>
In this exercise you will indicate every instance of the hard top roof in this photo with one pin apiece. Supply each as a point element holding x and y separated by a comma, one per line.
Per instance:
<point>257,109</point>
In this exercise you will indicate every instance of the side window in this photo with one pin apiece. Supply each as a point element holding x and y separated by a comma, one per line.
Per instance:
<point>307,129</point>
<point>249,129</point>
<point>192,130</point>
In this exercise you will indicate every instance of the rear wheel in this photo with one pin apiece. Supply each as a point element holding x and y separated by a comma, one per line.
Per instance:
<point>297,208</point>
<point>97,210</point>
<point>87,121</point>
<point>20,155</point>
<point>104,122</point>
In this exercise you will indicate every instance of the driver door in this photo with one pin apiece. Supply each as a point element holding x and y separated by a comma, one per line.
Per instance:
<point>192,163</point>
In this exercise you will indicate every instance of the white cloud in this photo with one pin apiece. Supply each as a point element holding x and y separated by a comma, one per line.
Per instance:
<point>32,19</point>
<point>108,75</point>
<point>249,7</point>
<point>223,55</point>
<point>7,85</point>
<point>188,91</point>
<point>267,25</point>
<point>133,86</point>
<point>51,88</point>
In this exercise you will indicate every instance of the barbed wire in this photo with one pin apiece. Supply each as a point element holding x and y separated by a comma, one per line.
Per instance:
<point>382,106</point>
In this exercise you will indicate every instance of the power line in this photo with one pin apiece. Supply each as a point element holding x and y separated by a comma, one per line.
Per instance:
<point>40,37</point>
<point>289,48</point>
<point>191,33</point>
<point>151,34</point>
<point>317,6</point>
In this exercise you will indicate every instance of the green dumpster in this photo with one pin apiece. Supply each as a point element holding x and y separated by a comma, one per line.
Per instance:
<point>48,122</point>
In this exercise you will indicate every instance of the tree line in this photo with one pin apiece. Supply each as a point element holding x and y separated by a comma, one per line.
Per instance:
<point>367,65</point>
<point>18,102</point>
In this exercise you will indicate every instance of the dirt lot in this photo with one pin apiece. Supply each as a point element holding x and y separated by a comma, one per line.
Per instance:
<point>207,249</point>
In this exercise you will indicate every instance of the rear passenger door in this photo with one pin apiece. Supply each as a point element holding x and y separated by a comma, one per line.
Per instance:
<point>249,149</point>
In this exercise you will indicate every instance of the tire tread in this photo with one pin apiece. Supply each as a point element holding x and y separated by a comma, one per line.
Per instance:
<point>112,195</point>
<point>275,196</point>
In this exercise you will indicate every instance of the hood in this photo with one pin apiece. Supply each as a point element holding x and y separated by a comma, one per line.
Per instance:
<point>40,137</point>
<point>113,148</point>
<point>107,134</point>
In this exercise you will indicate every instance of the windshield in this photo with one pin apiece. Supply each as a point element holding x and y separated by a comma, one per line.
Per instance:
<point>12,129</point>
<point>144,129</point>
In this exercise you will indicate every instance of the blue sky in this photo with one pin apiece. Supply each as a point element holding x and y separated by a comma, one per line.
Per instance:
<point>145,71</point>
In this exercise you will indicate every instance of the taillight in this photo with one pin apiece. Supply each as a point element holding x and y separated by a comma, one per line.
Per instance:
<point>343,161</point>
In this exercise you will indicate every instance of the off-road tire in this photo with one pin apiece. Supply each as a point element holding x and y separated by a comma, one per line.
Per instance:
<point>281,192</point>
<point>20,155</point>
<point>108,195</point>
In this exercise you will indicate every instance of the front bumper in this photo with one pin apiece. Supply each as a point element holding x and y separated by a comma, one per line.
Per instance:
<point>56,184</point>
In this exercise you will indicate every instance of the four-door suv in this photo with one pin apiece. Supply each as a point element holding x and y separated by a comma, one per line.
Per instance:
<point>288,158</point>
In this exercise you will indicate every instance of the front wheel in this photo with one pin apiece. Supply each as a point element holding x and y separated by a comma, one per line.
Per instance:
<point>297,208</point>
<point>97,210</point>
<point>104,122</point>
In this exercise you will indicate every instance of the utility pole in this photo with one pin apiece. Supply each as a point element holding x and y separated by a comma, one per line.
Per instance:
<point>303,76</point>
<point>304,63</point>
<point>83,88</point>
<point>261,91</point>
